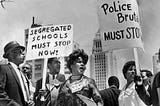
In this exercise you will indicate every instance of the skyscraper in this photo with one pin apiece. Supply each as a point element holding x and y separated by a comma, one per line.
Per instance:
<point>102,63</point>
<point>156,64</point>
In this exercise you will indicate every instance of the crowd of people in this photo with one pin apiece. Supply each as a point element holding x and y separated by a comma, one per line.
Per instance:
<point>17,89</point>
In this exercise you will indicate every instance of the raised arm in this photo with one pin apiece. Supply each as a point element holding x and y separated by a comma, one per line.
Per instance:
<point>144,94</point>
<point>96,95</point>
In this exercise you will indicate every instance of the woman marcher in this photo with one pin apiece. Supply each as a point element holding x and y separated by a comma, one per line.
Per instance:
<point>78,89</point>
<point>128,95</point>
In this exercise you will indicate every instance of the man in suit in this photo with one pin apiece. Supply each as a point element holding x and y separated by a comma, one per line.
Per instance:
<point>27,71</point>
<point>111,94</point>
<point>12,86</point>
<point>53,82</point>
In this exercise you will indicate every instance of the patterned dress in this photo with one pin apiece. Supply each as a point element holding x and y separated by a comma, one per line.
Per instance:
<point>69,91</point>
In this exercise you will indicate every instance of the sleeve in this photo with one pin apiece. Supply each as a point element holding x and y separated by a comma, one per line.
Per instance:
<point>95,95</point>
<point>102,93</point>
<point>61,77</point>
<point>157,85</point>
<point>144,94</point>
<point>4,98</point>
<point>157,80</point>
<point>36,93</point>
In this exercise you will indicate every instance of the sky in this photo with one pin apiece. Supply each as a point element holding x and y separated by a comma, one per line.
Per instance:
<point>18,14</point>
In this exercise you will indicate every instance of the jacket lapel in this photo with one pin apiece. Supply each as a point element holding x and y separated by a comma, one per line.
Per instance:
<point>14,74</point>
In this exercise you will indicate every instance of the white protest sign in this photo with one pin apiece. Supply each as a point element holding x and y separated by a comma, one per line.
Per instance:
<point>119,24</point>
<point>50,41</point>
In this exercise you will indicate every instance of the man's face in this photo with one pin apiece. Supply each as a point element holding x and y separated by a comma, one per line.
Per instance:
<point>145,78</point>
<point>18,56</point>
<point>27,70</point>
<point>54,66</point>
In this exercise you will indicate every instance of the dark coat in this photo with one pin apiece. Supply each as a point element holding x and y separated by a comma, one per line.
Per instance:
<point>37,95</point>
<point>10,89</point>
<point>110,96</point>
<point>150,96</point>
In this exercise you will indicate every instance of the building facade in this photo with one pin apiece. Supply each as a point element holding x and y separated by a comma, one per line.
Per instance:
<point>103,64</point>
<point>156,63</point>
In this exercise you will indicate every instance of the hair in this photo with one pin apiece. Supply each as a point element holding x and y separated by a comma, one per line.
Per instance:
<point>75,55</point>
<point>127,66</point>
<point>27,64</point>
<point>50,60</point>
<point>113,80</point>
<point>148,73</point>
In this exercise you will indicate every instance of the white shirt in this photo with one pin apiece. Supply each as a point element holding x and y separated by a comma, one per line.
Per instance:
<point>18,72</point>
<point>129,97</point>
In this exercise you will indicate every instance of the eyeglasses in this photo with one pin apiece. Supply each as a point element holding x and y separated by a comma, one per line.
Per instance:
<point>17,51</point>
<point>25,68</point>
<point>131,68</point>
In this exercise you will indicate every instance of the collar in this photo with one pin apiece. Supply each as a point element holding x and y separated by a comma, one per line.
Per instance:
<point>13,65</point>
<point>113,86</point>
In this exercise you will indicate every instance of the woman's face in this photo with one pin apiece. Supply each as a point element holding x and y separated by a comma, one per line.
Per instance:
<point>131,72</point>
<point>78,67</point>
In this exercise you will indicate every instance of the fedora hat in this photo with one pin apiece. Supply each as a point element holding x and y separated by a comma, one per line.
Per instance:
<point>11,46</point>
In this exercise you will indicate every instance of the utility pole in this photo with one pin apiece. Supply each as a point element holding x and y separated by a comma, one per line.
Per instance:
<point>33,24</point>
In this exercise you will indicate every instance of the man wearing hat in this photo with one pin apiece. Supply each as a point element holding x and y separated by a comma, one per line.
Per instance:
<point>13,91</point>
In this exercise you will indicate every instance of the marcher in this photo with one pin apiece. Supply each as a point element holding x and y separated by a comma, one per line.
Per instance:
<point>111,94</point>
<point>27,71</point>
<point>13,89</point>
<point>128,95</point>
<point>78,89</point>
<point>152,96</point>
<point>146,77</point>
<point>53,81</point>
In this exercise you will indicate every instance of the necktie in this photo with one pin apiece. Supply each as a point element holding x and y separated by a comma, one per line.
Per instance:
<point>28,83</point>
<point>25,86</point>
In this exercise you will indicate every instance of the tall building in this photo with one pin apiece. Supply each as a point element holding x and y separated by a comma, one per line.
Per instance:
<point>102,63</point>
<point>156,63</point>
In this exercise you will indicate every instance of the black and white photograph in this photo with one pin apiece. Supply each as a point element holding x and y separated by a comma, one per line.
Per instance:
<point>79,53</point>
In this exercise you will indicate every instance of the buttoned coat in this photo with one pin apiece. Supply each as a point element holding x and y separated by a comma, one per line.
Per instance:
<point>10,89</point>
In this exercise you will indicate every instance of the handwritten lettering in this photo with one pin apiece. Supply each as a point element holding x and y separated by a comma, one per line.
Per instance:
<point>50,29</point>
<point>128,33</point>
<point>115,7</point>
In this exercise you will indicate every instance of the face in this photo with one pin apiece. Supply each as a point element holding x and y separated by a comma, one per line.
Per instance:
<point>17,56</point>
<point>145,78</point>
<point>27,70</point>
<point>131,73</point>
<point>78,67</point>
<point>54,67</point>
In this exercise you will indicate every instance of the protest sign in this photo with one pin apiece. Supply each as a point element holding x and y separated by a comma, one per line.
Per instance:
<point>50,41</point>
<point>119,24</point>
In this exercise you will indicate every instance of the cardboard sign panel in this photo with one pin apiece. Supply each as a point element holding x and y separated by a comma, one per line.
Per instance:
<point>50,41</point>
<point>119,24</point>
